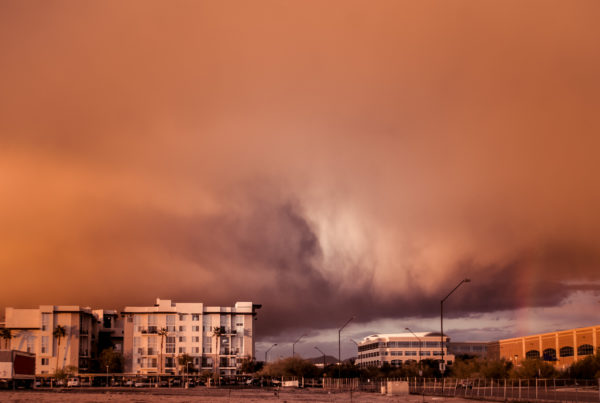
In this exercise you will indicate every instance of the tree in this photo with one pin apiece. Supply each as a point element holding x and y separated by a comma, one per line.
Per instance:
<point>291,366</point>
<point>59,332</point>
<point>186,362</point>
<point>163,334</point>
<point>217,333</point>
<point>250,365</point>
<point>533,368</point>
<point>6,334</point>
<point>588,368</point>
<point>111,358</point>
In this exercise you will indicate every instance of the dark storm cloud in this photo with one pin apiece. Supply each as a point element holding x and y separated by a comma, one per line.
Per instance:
<point>324,160</point>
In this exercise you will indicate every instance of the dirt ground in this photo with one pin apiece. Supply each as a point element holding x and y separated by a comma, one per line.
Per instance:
<point>206,395</point>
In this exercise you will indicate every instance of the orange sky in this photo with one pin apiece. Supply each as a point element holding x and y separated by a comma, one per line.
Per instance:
<point>363,156</point>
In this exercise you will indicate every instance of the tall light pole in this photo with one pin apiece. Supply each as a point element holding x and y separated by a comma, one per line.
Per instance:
<point>443,364</point>
<point>107,376</point>
<point>354,341</point>
<point>420,343</point>
<point>319,350</point>
<point>267,352</point>
<point>294,345</point>
<point>340,346</point>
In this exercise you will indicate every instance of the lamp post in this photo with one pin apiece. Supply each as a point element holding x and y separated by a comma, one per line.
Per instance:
<point>107,376</point>
<point>340,346</point>
<point>294,345</point>
<point>319,350</point>
<point>267,352</point>
<point>357,351</point>
<point>420,344</point>
<point>442,363</point>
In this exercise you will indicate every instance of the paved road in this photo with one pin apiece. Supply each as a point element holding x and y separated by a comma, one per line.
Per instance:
<point>205,395</point>
<point>588,394</point>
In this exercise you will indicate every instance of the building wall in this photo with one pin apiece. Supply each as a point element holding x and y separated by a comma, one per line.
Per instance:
<point>400,348</point>
<point>465,347</point>
<point>32,333</point>
<point>192,327</point>
<point>575,344</point>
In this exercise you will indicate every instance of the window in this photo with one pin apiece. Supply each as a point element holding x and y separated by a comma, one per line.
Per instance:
<point>182,317</point>
<point>170,362</point>
<point>195,317</point>
<point>46,321</point>
<point>182,328</point>
<point>195,328</point>
<point>151,320</point>
<point>532,354</point>
<point>170,345</point>
<point>181,350</point>
<point>170,323</point>
<point>585,349</point>
<point>567,351</point>
<point>107,322</point>
<point>31,344</point>
<point>425,353</point>
<point>45,361</point>
<point>410,353</point>
<point>195,350</point>
<point>152,362</point>
<point>196,339</point>
<point>181,339</point>
<point>152,345</point>
<point>549,354</point>
<point>44,348</point>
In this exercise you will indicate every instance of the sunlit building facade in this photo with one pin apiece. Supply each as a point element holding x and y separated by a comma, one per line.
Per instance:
<point>32,330</point>
<point>156,336</point>
<point>561,348</point>
<point>400,348</point>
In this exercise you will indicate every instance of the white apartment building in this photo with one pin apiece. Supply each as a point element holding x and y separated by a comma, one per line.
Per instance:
<point>401,348</point>
<point>189,330</point>
<point>32,331</point>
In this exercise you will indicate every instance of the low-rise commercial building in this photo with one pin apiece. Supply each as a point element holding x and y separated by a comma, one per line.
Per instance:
<point>156,336</point>
<point>561,348</point>
<point>401,348</point>
<point>476,348</point>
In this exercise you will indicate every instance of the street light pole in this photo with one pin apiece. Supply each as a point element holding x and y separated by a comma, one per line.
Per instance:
<point>443,364</point>
<point>319,350</point>
<point>267,352</point>
<point>294,345</point>
<point>340,346</point>
<point>107,376</point>
<point>357,352</point>
<point>420,343</point>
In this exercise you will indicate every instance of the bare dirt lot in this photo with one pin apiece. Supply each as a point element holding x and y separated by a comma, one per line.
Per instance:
<point>205,395</point>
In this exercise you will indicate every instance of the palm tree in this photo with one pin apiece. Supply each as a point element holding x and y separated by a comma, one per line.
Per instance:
<point>6,334</point>
<point>217,332</point>
<point>59,332</point>
<point>162,333</point>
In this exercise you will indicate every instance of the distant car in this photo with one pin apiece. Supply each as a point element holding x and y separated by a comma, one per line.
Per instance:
<point>141,383</point>
<point>465,384</point>
<point>128,382</point>
<point>85,382</point>
<point>73,382</point>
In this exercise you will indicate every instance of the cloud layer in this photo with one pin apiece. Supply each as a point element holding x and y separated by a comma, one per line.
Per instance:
<point>325,160</point>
